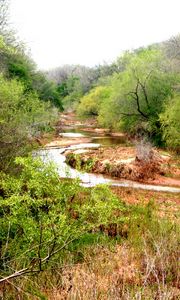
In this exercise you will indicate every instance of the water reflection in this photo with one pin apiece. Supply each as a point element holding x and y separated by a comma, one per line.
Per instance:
<point>101,138</point>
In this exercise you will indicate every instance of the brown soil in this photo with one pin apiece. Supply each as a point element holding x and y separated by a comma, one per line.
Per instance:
<point>167,204</point>
<point>121,162</point>
<point>70,119</point>
<point>114,154</point>
<point>65,142</point>
<point>133,196</point>
<point>167,181</point>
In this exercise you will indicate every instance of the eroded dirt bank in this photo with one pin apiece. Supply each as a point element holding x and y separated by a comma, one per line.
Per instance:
<point>148,165</point>
<point>123,162</point>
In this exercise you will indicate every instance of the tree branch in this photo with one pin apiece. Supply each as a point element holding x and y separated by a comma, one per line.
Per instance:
<point>143,87</point>
<point>43,261</point>
<point>39,248</point>
<point>135,96</point>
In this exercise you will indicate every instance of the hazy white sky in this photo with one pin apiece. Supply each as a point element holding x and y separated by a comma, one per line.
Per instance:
<point>91,31</point>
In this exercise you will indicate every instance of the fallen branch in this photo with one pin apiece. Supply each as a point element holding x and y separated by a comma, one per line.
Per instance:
<point>36,263</point>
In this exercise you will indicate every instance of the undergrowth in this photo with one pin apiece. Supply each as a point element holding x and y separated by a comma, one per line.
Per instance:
<point>78,243</point>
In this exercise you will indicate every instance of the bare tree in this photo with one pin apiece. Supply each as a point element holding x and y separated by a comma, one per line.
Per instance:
<point>6,31</point>
<point>3,15</point>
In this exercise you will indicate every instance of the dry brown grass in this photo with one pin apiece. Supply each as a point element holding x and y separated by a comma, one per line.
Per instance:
<point>129,270</point>
<point>121,274</point>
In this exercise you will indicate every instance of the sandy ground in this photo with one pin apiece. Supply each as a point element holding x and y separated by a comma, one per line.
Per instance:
<point>122,163</point>
<point>65,142</point>
<point>113,155</point>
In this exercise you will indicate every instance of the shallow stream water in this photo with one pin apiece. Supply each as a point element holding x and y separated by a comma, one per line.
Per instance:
<point>87,179</point>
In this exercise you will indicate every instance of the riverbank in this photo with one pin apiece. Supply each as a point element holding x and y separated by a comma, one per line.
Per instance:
<point>123,163</point>
<point>120,160</point>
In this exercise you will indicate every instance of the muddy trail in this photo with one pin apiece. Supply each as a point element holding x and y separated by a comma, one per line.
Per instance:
<point>85,141</point>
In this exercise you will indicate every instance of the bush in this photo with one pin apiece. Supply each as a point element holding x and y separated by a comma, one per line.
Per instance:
<point>41,215</point>
<point>22,118</point>
<point>170,123</point>
<point>66,237</point>
<point>148,162</point>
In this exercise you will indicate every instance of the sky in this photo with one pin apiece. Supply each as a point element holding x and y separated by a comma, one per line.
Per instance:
<point>91,32</point>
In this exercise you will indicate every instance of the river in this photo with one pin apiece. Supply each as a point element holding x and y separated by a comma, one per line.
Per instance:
<point>56,155</point>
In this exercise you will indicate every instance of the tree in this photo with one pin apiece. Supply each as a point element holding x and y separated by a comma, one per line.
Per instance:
<point>5,29</point>
<point>3,16</point>
<point>139,92</point>
<point>170,123</point>
<point>74,81</point>
<point>90,104</point>
<point>46,89</point>
<point>23,117</point>
<point>3,55</point>
<point>15,63</point>
<point>73,91</point>
<point>21,67</point>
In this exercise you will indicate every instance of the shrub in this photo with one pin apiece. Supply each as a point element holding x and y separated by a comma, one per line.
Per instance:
<point>170,123</point>
<point>41,215</point>
<point>22,118</point>
<point>147,161</point>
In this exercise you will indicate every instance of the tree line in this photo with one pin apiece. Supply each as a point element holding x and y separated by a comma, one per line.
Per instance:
<point>29,102</point>
<point>138,93</point>
<point>142,98</point>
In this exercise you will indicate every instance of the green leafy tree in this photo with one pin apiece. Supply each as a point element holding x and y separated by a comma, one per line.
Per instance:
<point>170,123</point>
<point>15,63</point>
<point>90,104</point>
<point>23,117</point>
<point>20,67</point>
<point>73,91</point>
<point>139,92</point>
<point>47,90</point>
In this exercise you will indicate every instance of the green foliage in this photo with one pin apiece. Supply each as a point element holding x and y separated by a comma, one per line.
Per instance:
<point>22,117</point>
<point>3,51</point>
<point>25,109</point>
<point>40,215</point>
<point>71,91</point>
<point>90,104</point>
<point>20,67</point>
<point>170,123</point>
<point>140,91</point>
<point>50,224</point>
<point>135,96</point>
<point>15,64</point>
<point>47,90</point>
<point>75,81</point>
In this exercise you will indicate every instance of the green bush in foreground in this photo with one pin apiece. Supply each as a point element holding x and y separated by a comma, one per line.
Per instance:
<point>48,226</point>
<point>40,216</point>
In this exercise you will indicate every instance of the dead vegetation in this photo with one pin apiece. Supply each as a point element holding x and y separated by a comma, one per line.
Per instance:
<point>136,260</point>
<point>124,273</point>
<point>147,162</point>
